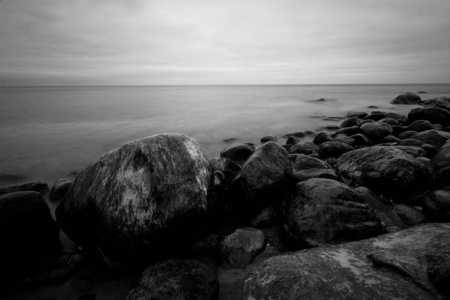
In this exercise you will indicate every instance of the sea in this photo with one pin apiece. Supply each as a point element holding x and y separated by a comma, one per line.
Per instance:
<point>48,133</point>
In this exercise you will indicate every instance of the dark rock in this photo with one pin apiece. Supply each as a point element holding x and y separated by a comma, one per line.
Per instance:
<point>361,139</point>
<point>387,171</point>
<point>227,167</point>
<point>176,279</point>
<point>309,132</point>
<point>422,92</point>
<point>265,218</point>
<point>409,215</point>
<point>140,200</point>
<point>409,264</point>
<point>334,149</point>
<point>331,127</point>
<point>382,210</point>
<point>344,139</point>
<point>389,139</point>
<point>357,114</point>
<point>433,137</point>
<point>292,140</point>
<point>320,100</point>
<point>441,166</point>
<point>397,129</point>
<point>412,150</point>
<point>230,140</point>
<point>376,131</point>
<point>261,180</point>
<point>440,102</point>
<point>87,297</point>
<point>28,235</point>
<point>287,147</point>
<point>206,245</point>
<point>268,138</point>
<point>372,107</point>
<point>239,248</point>
<point>348,131</point>
<point>35,186</point>
<point>437,206</point>
<point>406,134</point>
<point>408,98</point>
<point>389,121</point>
<point>238,153</point>
<point>353,121</point>
<point>306,167</point>
<point>432,114</point>
<point>321,138</point>
<point>304,148</point>
<point>400,118</point>
<point>60,188</point>
<point>430,150</point>
<point>420,125</point>
<point>299,134</point>
<point>325,211</point>
<point>411,142</point>
<point>438,127</point>
<point>376,115</point>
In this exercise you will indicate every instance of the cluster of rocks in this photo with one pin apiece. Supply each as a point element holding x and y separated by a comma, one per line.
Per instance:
<point>359,213</point>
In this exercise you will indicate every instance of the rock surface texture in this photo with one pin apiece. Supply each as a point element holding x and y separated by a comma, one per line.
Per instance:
<point>140,200</point>
<point>410,264</point>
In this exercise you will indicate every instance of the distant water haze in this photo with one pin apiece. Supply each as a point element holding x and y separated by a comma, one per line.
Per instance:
<point>48,132</point>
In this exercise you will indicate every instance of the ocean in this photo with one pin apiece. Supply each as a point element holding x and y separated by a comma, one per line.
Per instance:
<point>48,132</point>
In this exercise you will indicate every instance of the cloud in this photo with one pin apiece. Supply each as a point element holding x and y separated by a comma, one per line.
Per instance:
<point>214,42</point>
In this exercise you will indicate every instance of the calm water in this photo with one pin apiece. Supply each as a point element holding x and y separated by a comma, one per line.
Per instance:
<point>47,132</point>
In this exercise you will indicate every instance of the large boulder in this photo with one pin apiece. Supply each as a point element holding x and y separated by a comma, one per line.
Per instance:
<point>261,180</point>
<point>28,235</point>
<point>409,264</point>
<point>441,102</point>
<point>435,115</point>
<point>176,279</point>
<point>376,131</point>
<point>407,98</point>
<point>325,211</point>
<point>306,167</point>
<point>387,171</point>
<point>140,200</point>
<point>433,137</point>
<point>420,125</point>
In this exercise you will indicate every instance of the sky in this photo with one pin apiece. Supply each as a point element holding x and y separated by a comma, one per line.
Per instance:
<point>165,42</point>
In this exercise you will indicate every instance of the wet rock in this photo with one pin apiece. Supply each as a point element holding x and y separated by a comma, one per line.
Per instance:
<point>409,215</point>
<point>304,148</point>
<point>433,137</point>
<point>320,100</point>
<point>227,167</point>
<point>321,138</point>
<point>306,167</point>
<point>387,171</point>
<point>389,121</point>
<point>372,107</point>
<point>268,138</point>
<point>376,115</point>
<point>361,139</point>
<point>261,180</point>
<point>437,206</point>
<point>430,150</point>
<point>435,115</point>
<point>406,134</point>
<point>441,166</point>
<point>357,114</point>
<point>411,142</point>
<point>230,140</point>
<point>376,131</point>
<point>176,279</point>
<point>400,118</point>
<point>348,131</point>
<point>354,121</point>
<point>238,153</point>
<point>408,98</point>
<point>440,102</point>
<point>397,129</point>
<point>292,140</point>
<point>420,125</point>
<point>412,150</point>
<point>239,248</point>
<point>28,235</point>
<point>389,139</point>
<point>60,188</point>
<point>140,200</point>
<point>299,134</point>
<point>344,139</point>
<point>325,211</point>
<point>35,186</point>
<point>334,149</point>
<point>409,264</point>
<point>265,218</point>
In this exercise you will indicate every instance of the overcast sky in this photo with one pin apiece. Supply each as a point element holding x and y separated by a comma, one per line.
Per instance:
<point>77,42</point>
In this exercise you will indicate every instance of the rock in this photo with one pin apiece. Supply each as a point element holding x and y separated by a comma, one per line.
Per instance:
<point>376,115</point>
<point>230,140</point>
<point>357,114</point>
<point>304,148</point>
<point>420,125</point>
<point>361,139</point>
<point>437,206</point>
<point>376,131</point>
<point>397,129</point>
<point>408,98</point>
<point>306,167</point>
<point>265,218</point>
<point>344,139</point>
<point>206,245</point>
<point>389,121</point>
<point>406,134</point>
<point>320,100</point>
<point>387,171</point>
<point>438,127</point>
<point>227,167</point>
<point>60,188</point>
<point>440,102</point>
<point>412,150</point>
<point>140,200</point>
<point>372,107</point>
<point>28,235</point>
<point>292,140</point>
<point>409,215</point>
<point>321,138</point>
<point>430,150</point>
<point>389,139</point>
<point>239,248</point>
<point>287,147</point>
<point>35,186</point>
<point>176,279</point>
<point>333,149</point>
<point>411,142</point>
<point>400,118</point>
<point>433,137</point>
<point>409,264</point>
<point>268,138</point>
<point>238,153</point>
<point>299,134</point>
<point>422,92</point>
<point>354,121</point>
<point>441,166</point>
<point>348,131</point>
<point>435,115</point>
<point>325,211</point>
<point>382,210</point>
<point>261,180</point>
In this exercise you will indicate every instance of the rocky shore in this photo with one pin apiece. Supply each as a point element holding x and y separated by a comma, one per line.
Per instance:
<point>361,211</point>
